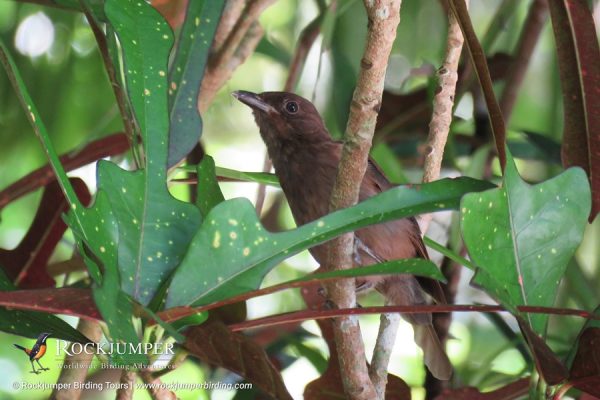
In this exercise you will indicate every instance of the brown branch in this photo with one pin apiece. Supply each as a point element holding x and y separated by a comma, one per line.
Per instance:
<point>305,42</point>
<point>126,385</point>
<point>76,365</point>
<point>155,388</point>
<point>443,105</point>
<point>439,128</point>
<point>538,13</point>
<point>236,38</point>
<point>231,14</point>
<point>384,17</point>
<point>386,338</point>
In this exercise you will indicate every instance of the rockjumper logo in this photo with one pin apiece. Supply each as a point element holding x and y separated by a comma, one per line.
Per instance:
<point>36,352</point>
<point>113,348</point>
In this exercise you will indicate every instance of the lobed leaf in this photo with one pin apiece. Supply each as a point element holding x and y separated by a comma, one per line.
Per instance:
<point>231,252</point>
<point>94,228</point>
<point>185,75</point>
<point>154,227</point>
<point>521,237</point>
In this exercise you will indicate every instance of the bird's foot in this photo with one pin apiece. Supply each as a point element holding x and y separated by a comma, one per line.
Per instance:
<point>45,369</point>
<point>34,372</point>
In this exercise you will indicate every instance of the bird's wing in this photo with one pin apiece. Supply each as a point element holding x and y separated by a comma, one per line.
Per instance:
<point>376,182</point>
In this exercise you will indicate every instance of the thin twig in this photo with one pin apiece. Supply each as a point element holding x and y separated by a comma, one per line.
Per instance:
<point>538,13</point>
<point>439,128</point>
<point>384,17</point>
<point>126,385</point>
<point>155,388</point>
<point>443,105</point>
<point>236,38</point>
<point>386,338</point>
<point>76,365</point>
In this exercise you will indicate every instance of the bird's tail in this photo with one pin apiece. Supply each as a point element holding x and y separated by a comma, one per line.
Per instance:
<point>433,352</point>
<point>20,347</point>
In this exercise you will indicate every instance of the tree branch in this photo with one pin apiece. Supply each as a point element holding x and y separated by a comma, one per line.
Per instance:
<point>73,370</point>
<point>236,38</point>
<point>384,17</point>
<point>443,105</point>
<point>386,338</point>
<point>126,385</point>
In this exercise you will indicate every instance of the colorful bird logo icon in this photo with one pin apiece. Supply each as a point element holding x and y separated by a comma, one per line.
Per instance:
<point>36,352</point>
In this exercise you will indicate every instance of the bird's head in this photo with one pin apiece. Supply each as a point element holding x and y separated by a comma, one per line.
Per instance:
<point>43,336</point>
<point>284,117</point>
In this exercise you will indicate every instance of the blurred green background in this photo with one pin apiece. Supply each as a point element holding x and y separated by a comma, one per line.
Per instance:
<point>57,56</point>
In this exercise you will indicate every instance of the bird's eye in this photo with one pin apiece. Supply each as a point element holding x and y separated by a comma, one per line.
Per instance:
<point>292,107</point>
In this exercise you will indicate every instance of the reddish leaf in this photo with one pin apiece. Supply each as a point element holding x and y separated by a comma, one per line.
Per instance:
<point>104,147</point>
<point>26,264</point>
<point>585,371</point>
<point>171,10</point>
<point>548,365</point>
<point>579,66</point>
<point>68,301</point>
<point>513,390</point>
<point>586,396</point>
<point>213,343</point>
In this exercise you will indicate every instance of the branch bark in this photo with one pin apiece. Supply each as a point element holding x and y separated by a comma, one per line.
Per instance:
<point>439,128</point>
<point>157,392</point>
<point>126,385</point>
<point>386,338</point>
<point>384,17</point>
<point>443,105</point>
<point>236,38</point>
<point>74,370</point>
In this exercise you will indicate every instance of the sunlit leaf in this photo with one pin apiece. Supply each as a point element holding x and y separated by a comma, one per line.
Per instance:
<point>154,227</point>
<point>242,252</point>
<point>186,74</point>
<point>521,237</point>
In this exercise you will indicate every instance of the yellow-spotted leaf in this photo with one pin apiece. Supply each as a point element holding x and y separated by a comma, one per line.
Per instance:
<point>522,236</point>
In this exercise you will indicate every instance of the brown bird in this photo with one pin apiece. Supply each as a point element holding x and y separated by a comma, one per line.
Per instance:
<point>305,159</point>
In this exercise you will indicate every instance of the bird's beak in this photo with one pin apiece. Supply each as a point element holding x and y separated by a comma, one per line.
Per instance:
<point>253,101</point>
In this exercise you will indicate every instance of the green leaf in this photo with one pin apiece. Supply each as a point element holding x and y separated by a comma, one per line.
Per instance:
<point>154,227</point>
<point>411,266</point>
<point>265,178</point>
<point>209,192</point>
<point>277,53</point>
<point>185,75</point>
<point>231,253</point>
<point>31,324</point>
<point>95,228</point>
<point>521,236</point>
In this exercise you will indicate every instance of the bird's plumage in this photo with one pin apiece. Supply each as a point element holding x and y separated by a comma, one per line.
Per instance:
<point>305,158</point>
